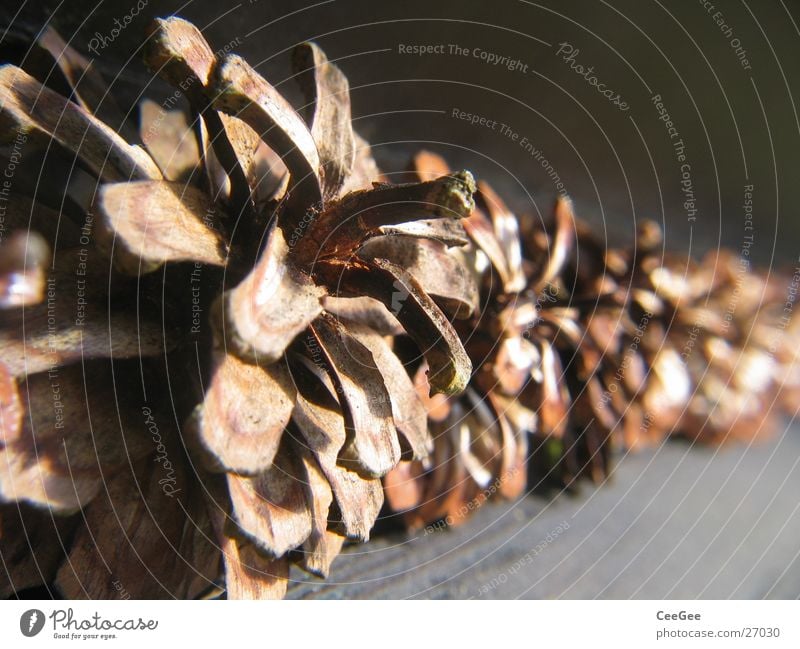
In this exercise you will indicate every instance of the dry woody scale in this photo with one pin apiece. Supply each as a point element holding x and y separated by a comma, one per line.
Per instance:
<point>228,344</point>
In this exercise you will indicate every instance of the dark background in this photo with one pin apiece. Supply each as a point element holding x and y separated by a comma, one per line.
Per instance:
<point>739,126</point>
<point>674,522</point>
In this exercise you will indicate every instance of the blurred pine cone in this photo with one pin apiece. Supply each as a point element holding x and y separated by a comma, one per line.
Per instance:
<point>247,261</point>
<point>582,351</point>
<point>520,383</point>
<point>725,335</point>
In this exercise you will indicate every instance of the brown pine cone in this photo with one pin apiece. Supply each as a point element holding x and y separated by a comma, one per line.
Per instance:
<point>516,342</point>
<point>580,352</point>
<point>729,337</point>
<point>242,275</point>
<point>215,344</point>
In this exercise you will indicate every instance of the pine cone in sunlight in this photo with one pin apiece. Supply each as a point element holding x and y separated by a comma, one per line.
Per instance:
<point>582,350</point>
<point>530,351</point>
<point>479,438</point>
<point>208,354</point>
<point>665,361</point>
<point>729,336</point>
<point>626,397</point>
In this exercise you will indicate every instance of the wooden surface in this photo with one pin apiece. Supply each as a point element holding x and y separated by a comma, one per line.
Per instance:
<point>678,522</point>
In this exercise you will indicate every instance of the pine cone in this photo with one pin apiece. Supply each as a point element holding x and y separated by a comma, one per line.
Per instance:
<point>583,349</point>
<point>727,331</point>
<point>519,386</point>
<point>213,348</point>
<point>292,401</point>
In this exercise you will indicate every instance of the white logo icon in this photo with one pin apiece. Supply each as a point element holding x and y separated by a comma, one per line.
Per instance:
<point>31,622</point>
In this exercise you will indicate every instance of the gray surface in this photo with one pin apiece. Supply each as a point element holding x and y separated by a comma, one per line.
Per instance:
<point>678,522</point>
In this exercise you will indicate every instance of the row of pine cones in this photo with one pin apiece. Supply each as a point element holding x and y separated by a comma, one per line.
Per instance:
<point>229,344</point>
